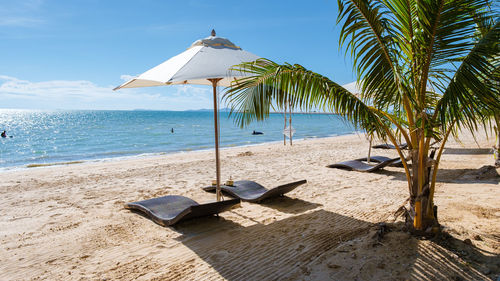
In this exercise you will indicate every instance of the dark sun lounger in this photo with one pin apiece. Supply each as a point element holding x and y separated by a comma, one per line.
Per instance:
<point>380,159</point>
<point>253,192</point>
<point>390,146</point>
<point>360,166</point>
<point>169,210</point>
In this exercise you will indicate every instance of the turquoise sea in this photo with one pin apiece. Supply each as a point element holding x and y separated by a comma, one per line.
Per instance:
<point>47,137</point>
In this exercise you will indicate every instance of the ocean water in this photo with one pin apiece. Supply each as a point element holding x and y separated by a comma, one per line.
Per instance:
<point>48,137</point>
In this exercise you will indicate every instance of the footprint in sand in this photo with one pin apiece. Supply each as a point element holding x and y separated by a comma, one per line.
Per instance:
<point>84,257</point>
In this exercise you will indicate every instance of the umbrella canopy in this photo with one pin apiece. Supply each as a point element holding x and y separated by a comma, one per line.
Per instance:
<point>353,87</point>
<point>209,58</point>
<point>206,62</point>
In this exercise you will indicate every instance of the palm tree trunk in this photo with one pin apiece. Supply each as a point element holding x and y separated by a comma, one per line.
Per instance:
<point>420,201</point>
<point>496,148</point>
<point>290,123</point>
<point>284,128</point>
<point>415,205</point>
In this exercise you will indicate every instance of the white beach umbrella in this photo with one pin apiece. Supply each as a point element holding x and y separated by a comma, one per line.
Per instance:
<point>206,62</point>
<point>353,87</point>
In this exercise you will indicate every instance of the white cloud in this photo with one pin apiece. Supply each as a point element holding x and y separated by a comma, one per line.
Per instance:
<point>81,94</point>
<point>126,77</point>
<point>21,13</point>
<point>20,21</point>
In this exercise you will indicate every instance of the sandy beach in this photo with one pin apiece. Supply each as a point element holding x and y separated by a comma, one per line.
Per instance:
<point>68,222</point>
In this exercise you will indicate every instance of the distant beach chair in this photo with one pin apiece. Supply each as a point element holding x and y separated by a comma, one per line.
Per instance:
<point>390,146</point>
<point>253,192</point>
<point>360,165</point>
<point>380,159</point>
<point>169,210</point>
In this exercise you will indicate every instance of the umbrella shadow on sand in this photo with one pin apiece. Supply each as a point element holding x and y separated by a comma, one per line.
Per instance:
<point>270,251</point>
<point>289,205</point>
<point>322,244</point>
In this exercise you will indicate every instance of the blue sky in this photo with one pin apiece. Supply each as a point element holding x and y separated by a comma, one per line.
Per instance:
<point>70,54</point>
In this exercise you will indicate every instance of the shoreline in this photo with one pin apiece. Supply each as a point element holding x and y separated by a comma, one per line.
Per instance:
<point>94,135</point>
<point>148,155</point>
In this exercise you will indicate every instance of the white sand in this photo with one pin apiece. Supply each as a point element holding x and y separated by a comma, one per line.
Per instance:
<point>68,222</point>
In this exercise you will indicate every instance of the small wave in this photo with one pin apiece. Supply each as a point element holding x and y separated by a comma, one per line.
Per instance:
<point>76,137</point>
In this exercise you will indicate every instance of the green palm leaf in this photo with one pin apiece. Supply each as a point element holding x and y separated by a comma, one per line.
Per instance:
<point>252,97</point>
<point>473,89</point>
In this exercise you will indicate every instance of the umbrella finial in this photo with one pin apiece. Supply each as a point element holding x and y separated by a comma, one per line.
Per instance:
<point>213,32</point>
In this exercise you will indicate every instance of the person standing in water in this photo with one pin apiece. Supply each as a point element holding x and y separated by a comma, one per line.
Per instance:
<point>4,134</point>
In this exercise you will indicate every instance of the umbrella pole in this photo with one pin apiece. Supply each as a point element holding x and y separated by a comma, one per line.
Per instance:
<point>217,161</point>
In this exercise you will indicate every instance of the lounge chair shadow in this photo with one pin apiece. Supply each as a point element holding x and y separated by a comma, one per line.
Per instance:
<point>465,151</point>
<point>196,225</point>
<point>289,205</point>
<point>204,225</point>
<point>398,175</point>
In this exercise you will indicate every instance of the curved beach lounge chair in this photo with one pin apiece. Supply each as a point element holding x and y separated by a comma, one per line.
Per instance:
<point>390,146</point>
<point>360,166</point>
<point>253,192</point>
<point>380,159</point>
<point>169,210</point>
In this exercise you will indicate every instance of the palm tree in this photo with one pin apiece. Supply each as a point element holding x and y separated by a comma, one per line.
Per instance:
<point>484,25</point>
<point>425,73</point>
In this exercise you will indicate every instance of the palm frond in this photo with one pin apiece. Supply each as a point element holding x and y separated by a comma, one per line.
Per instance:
<point>447,31</point>
<point>474,89</point>
<point>252,97</point>
<point>367,34</point>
